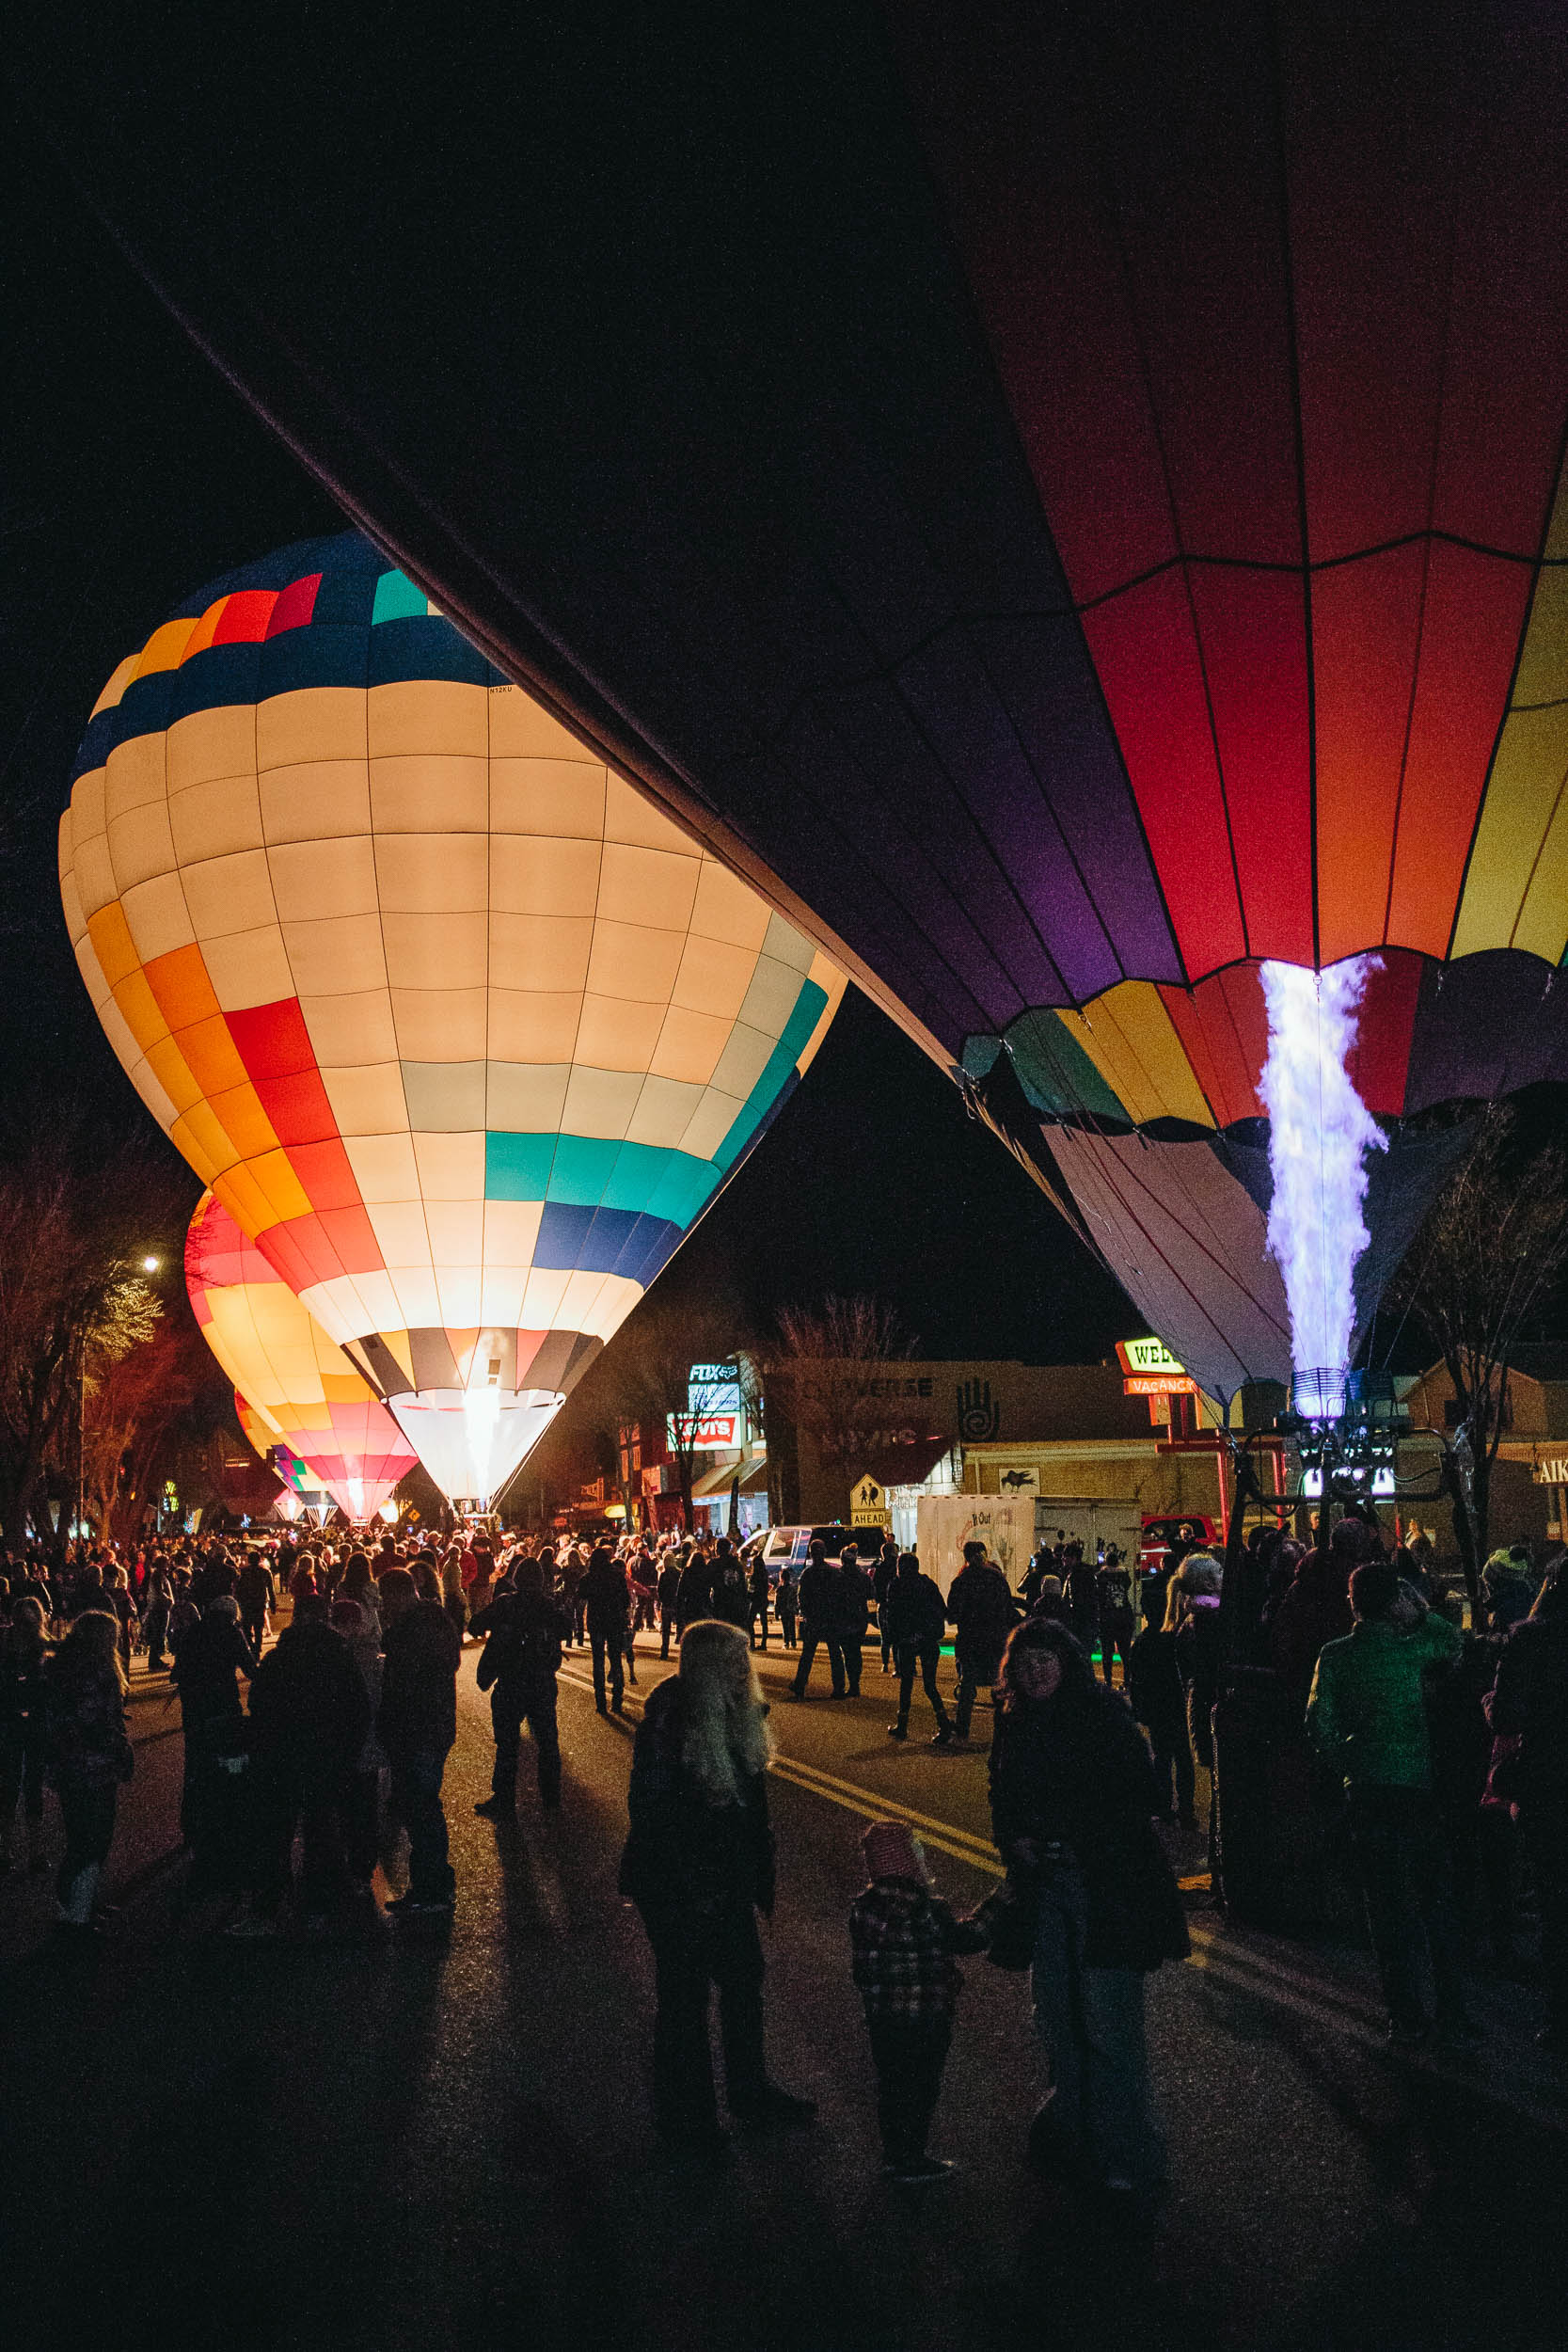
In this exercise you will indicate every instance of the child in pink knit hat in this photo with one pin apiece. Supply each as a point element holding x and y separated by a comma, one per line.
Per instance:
<point>904,1938</point>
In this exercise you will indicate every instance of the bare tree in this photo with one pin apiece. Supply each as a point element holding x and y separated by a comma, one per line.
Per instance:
<point>1482,1267</point>
<point>71,1304</point>
<point>826,1372</point>
<point>135,1402</point>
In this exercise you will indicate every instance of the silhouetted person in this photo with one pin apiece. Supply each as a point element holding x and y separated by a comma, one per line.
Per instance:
<point>729,1588</point>
<point>1367,1717</point>
<point>668,1589</point>
<point>206,1674</point>
<point>984,1613</point>
<point>853,1607</point>
<point>524,1632</point>
<point>699,1865</point>
<point>309,1712</point>
<point>256,1593</point>
<point>605,1601</point>
<point>418,1724</point>
<point>1530,1704</point>
<point>917,1619</point>
<point>817,1593</point>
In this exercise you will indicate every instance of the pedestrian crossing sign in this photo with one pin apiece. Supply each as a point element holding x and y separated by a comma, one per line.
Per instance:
<point>868,1504</point>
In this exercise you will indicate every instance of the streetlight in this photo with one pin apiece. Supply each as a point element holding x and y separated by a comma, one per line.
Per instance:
<point>151,1265</point>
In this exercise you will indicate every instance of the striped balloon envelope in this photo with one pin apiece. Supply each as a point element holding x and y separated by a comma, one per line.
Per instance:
<point>301,1489</point>
<point>302,1404</point>
<point>459,1029</point>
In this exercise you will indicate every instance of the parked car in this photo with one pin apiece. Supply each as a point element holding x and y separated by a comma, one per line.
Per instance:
<point>790,1546</point>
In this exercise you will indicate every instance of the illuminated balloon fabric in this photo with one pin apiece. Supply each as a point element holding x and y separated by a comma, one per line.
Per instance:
<point>295,1381</point>
<point>302,1488</point>
<point>1147,558</point>
<point>460,1029</point>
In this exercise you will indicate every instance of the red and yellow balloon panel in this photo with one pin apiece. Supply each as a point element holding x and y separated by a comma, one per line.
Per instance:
<point>461,1031</point>
<point>301,1488</point>
<point>297,1389</point>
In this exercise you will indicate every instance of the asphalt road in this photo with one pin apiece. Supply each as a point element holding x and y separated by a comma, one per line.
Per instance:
<point>420,2139</point>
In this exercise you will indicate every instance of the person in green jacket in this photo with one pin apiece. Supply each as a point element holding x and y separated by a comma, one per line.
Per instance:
<point>1366,1720</point>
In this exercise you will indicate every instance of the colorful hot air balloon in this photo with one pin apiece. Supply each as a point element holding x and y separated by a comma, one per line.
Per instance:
<point>304,1400</point>
<point>1072,509</point>
<point>460,1031</point>
<point>302,1490</point>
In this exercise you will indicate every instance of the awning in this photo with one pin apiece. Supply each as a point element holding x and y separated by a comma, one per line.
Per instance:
<point>752,1476</point>
<point>899,1464</point>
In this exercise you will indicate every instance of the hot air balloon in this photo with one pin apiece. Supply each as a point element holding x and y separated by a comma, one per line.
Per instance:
<point>300,1401</point>
<point>461,1032</point>
<point>1070,509</point>
<point>302,1490</point>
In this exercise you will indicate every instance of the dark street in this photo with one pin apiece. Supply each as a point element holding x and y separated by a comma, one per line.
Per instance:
<point>401,2141</point>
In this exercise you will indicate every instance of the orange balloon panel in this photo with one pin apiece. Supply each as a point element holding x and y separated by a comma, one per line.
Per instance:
<point>297,1381</point>
<point>301,1488</point>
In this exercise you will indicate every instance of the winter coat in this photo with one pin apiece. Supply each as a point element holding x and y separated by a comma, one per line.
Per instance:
<point>695,1587</point>
<point>23,1693</point>
<point>309,1709</point>
<point>915,1611</point>
<point>88,1745</point>
<point>1367,1715</point>
<point>522,1651</point>
<point>1199,1655</point>
<point>686,1855</point>
<point>206,1674</point>
<point>606,1597</point>
<point>852,1603</point>
<point>256,1590</point>
<point>1154,1688</point>
<point>669,1589</point>
<point>818,1594</point>
<point>983,1613</point>
<point>1314,1609</point>
<point>1114,1594</point>
<point>1530,1698</point>
<point>1076,1773</point>
<point>418,1681</point>
<point>730,1594</point>
<point>903,1940</point>
<point>1080,1587</point>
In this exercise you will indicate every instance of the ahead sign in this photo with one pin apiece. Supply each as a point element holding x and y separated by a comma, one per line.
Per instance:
<point>868,1504</point>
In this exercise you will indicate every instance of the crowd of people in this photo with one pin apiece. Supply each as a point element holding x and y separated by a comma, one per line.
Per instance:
<point>318,1751</point>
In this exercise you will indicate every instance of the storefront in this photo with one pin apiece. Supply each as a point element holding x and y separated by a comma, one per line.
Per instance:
<point>736,1487</point>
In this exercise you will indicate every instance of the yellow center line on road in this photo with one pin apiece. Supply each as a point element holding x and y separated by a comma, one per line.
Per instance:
<point>960,1843</point>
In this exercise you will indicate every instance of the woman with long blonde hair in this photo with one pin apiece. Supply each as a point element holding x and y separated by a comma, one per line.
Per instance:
<point>699,1865</point>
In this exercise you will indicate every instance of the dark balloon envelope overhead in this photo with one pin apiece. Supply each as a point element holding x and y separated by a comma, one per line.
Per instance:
<point>1068,502</point>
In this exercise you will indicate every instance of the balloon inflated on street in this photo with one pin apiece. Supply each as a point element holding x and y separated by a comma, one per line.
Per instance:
<point>461,1031</point>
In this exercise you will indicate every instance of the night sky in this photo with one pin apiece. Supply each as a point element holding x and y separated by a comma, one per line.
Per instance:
<point>136,475</point>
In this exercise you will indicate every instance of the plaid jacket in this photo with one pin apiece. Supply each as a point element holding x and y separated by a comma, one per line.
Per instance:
<point>903,1941</point>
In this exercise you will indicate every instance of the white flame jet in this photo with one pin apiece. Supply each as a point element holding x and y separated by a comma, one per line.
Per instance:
<point>1320,1133</point>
